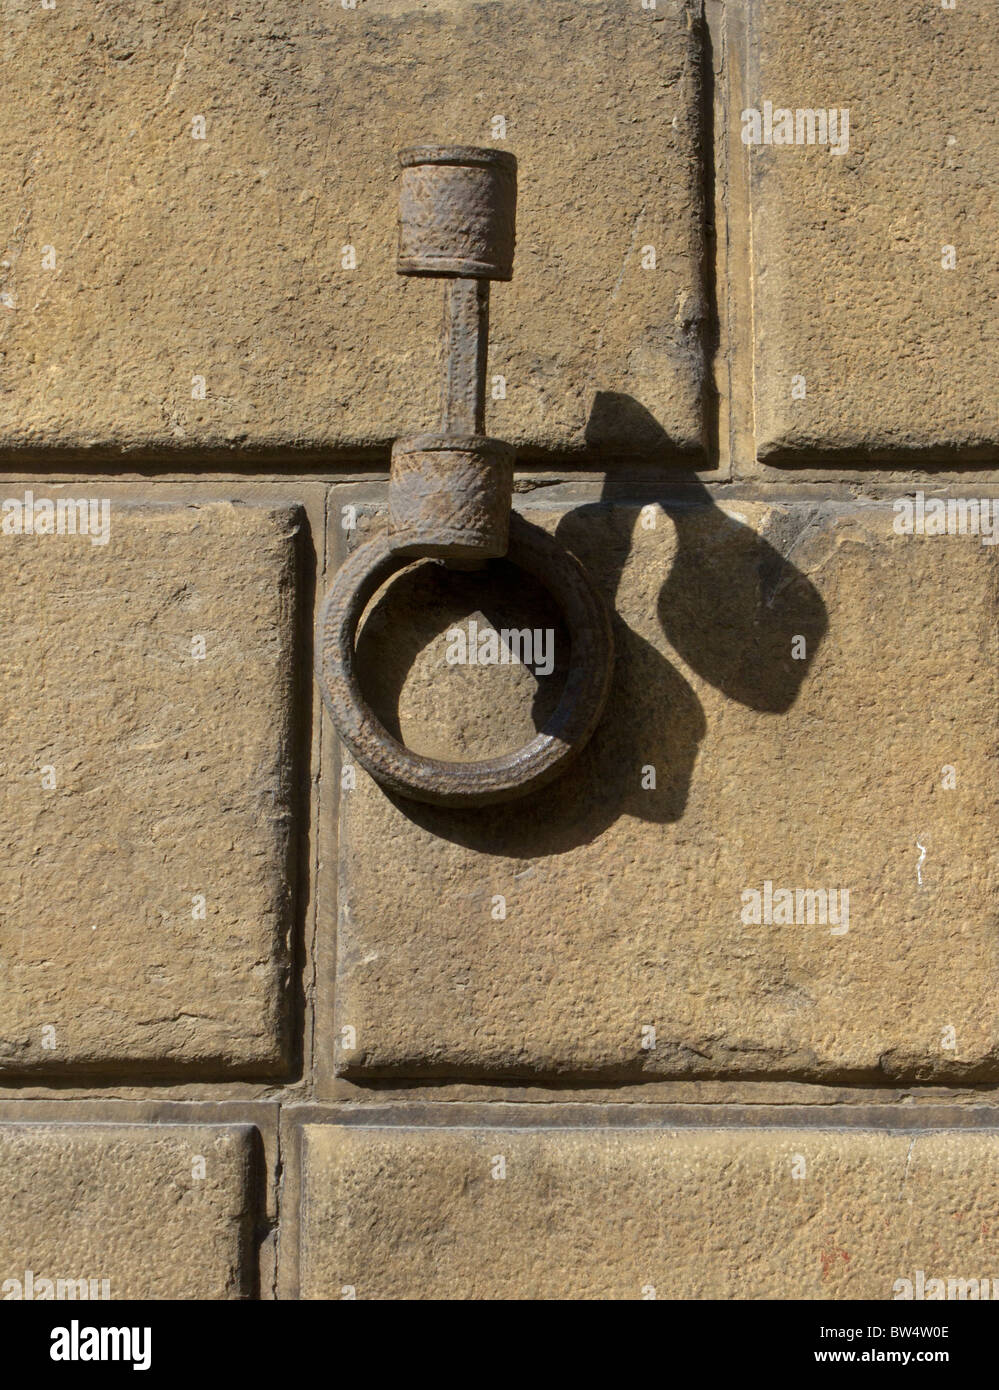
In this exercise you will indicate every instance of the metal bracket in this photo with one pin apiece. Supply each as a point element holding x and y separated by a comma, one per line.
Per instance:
<point>451,493</point>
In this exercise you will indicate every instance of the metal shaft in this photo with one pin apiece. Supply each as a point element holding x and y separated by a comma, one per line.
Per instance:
<point>466,344</point>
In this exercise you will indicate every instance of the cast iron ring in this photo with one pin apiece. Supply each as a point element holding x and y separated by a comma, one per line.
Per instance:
<point>491,780</point>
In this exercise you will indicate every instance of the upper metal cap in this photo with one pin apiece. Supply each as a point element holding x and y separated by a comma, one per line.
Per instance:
<point>457,211</point>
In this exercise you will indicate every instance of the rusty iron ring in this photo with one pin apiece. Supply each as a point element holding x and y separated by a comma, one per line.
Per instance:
<point>491,780</point>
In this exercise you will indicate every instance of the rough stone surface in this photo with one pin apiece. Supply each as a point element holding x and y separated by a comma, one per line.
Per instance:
<point>125,1203</point>
<point>898,353</point>
<point>624,903</point>
<point>750,1214</point>
<point>222,258</point>
<point>173,782</point>
<point>547,1050</point>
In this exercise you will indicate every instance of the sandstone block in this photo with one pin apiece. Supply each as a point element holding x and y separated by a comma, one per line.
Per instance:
<point>875,272</point>
<point>147,790</point>
<point>773,858</point>
<point>203,219</point>
<point>97,1211</point>
<point>647,1214</point>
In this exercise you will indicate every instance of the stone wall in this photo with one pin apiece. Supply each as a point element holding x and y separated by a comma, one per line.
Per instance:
<point>713,1014</point>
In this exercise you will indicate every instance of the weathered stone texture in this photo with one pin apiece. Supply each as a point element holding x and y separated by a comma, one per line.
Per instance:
<point>750,1214</point>
<point>222,258</point>
<point>145,902</point>
<point>624,907</point>
<point>130,1204</point>
<point>850,291</point>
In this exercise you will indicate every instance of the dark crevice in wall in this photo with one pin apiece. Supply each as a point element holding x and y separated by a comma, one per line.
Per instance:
<point>711,327</point>
<point>300,773</point>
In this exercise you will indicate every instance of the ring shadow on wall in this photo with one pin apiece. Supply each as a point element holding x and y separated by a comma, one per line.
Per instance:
<point>729,607</point>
